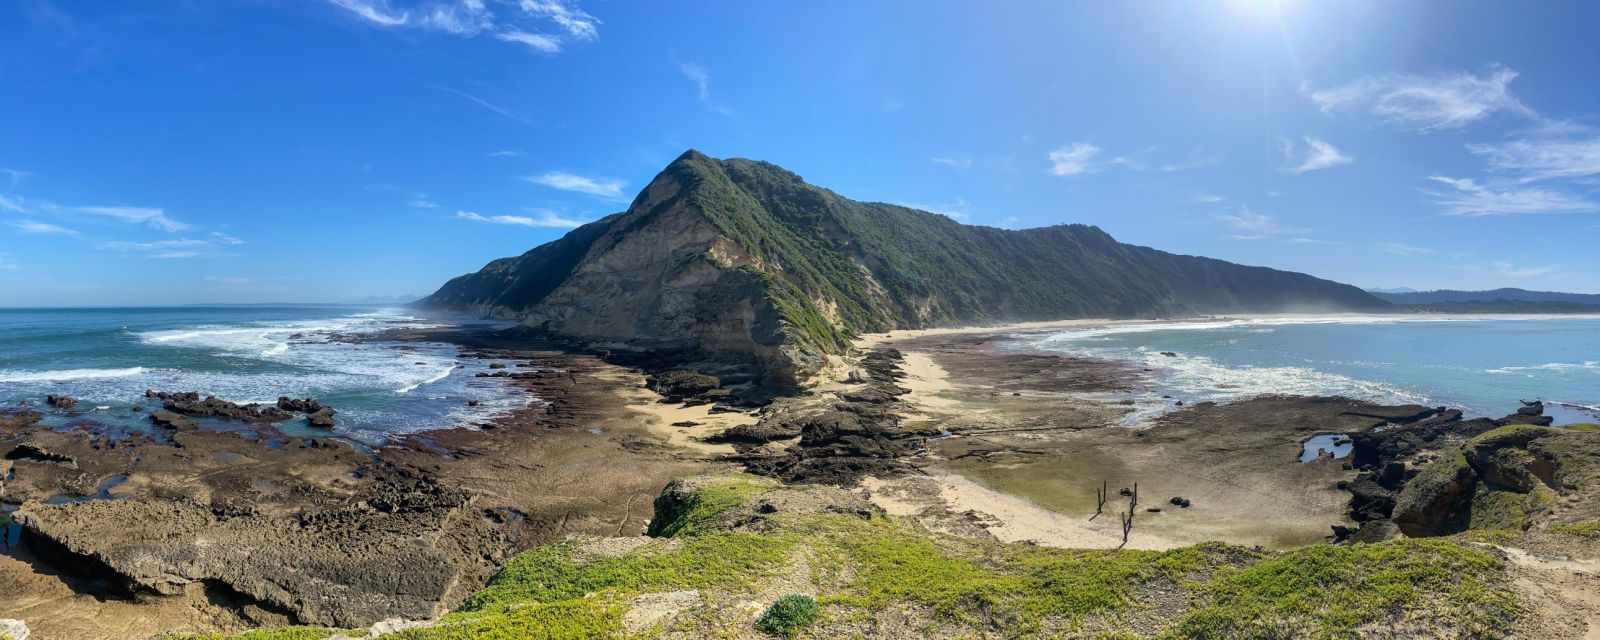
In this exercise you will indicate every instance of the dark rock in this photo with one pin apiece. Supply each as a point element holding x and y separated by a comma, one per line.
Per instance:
<point>322,418</point>
<point>191,404</point>
<point>303,405</point>
<point>1522,418</point>
<point>473,403</point>
<point>682,382</point>
<point>171,420</point>
<point>497,365</point>
<point>1534,408</point>
<point>1439,500</point>
<point>30,452</point>
<point>1392,476</point>
<point>1169,354</point>
<point>1369,500</point>
<point>686,423</point>
<point>1375,531</point>
<point>1180,501</point>
<point>62,402</point>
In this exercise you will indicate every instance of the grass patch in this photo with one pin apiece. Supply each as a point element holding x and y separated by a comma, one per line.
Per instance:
<point>1585,528</point>
<point>1327,591</point>
<point>1583,426</point>
<point>548,574</point>
<point>1509,435</point>
<point>788,615</point>
<point>279,633</point>
<point>1012,587</point>
<point>711,497</point>
<point>580,619</point>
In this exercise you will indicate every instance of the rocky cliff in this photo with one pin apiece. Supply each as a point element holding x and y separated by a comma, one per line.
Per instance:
<point>743,260</point>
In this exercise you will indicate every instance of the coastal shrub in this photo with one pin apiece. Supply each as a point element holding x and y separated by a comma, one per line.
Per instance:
<point>567,620</point>
<point>1507,509</point>
<point>1585,528</point>
<point>549,573</point>
<point>788,615</point>
<point>1011,586</point>
<point>1329,591</point>
<point>278,633</point>
<point>683,507</point>
<point>1509,435</point>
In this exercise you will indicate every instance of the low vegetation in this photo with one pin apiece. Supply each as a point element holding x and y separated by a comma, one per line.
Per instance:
<point>729,540</point>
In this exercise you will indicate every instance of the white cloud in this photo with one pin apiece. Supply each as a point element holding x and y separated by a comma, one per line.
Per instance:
<point>1319,155</point>
<point>1073,159</point>
<point>182,248</point>
<point>1402,249</point>
<point>575,21</point>
<point>375,11</point>
<point>470,18</point>
<point>536,41</point>
<point>545,219</point>
<point>1468,198</point>
<point>957,209</point>
<point>15,175</point>
<point>9,204</point>
<point>1208,198</point>
<point>1512,270</point>
<point>699,75</point>
<point>1543,159</point>
<point>1427,103</point>
<point>490,106</point>
<point>506,153</point>
<point>42,228</point>
<point>603,187</point>
<point>154,218</point>
<point>1249,225</point>
<point>956,161</point>
<point>221,238</point>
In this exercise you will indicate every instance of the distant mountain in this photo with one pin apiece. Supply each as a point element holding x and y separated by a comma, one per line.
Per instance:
<point>1493,295</point>
<point>740,259</point>
<point>1394,290</point>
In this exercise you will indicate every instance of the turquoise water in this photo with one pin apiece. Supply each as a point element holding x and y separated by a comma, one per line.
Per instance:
<point>108,357</point>
<point>1482,364</point>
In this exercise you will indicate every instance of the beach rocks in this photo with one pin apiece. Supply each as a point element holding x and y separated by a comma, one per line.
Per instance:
<point>301,405</point>
<point>171,420</point>
<point>191,404</point>
<point>322,418</point>
<point>682,383</point>
<point>62,402</point>
<point>16,419</point>
<point>1180,502</point>
<point>31,452</point>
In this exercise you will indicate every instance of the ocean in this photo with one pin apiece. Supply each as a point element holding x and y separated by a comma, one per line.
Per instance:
<point>1481,364</point>
<point>108,357</point>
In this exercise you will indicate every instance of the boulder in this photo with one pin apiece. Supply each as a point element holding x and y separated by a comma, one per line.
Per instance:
<point>171,420</point>
<point>322,418</point>
<point>681,383</point>
<point>299,405</point>
<point>1439,500</point>
<point>1375,531</point>
<point>191,404</point>
<point>62,402</point>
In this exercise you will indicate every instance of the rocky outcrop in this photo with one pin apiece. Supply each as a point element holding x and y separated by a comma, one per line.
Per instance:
<point>63,402</point>
<point>190,403</point>
<point>743,261</point>
<point>18,418</point>
<point>1439,500</point>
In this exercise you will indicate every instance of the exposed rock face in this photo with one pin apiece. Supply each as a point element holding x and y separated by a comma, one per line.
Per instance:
<point>61,402</point>
<point>1439,500</point>
<point>744,261</point>
<point>299,405</point>
<point>191,404</point>
<point>171,420</point>
<point>322,418</point>
<point>342,566</point>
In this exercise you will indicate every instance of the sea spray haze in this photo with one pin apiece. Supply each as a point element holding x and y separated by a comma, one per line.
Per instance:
<point>108,357</point>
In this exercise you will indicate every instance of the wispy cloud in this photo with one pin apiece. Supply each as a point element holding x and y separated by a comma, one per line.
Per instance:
<point>168,249</point>
<point>42,228</point>
<point>1513,270</point>
<point>15,175</point>
<point>153,218</point>
<point>375,11</point>
<point>422,203</point>
<point>221,238</point>
<point>1402,249</point>
<point>1468,198</point>
<point>506,153</point>
<point>490,106</point>
<point>958,209</point>
<point>1198,162</point>
<point>1543,159</point>
<point>955,161</point>
<point>699,75</point>
<point>1319,155</point>
<point>1249,225</point>
<point>1426,103</point>
<point>1073,159</point>
<point>541,25</point>
<point>1208,198</point>
<point>603,187</point>
<point>12,205</point>
<point>545,219</point>
<point>535,41</point>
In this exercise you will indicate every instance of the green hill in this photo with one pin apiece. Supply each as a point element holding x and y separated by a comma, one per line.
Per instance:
<point>744,260</point>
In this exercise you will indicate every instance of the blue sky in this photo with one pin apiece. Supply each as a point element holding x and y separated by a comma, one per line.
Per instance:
<point>318,150</point>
